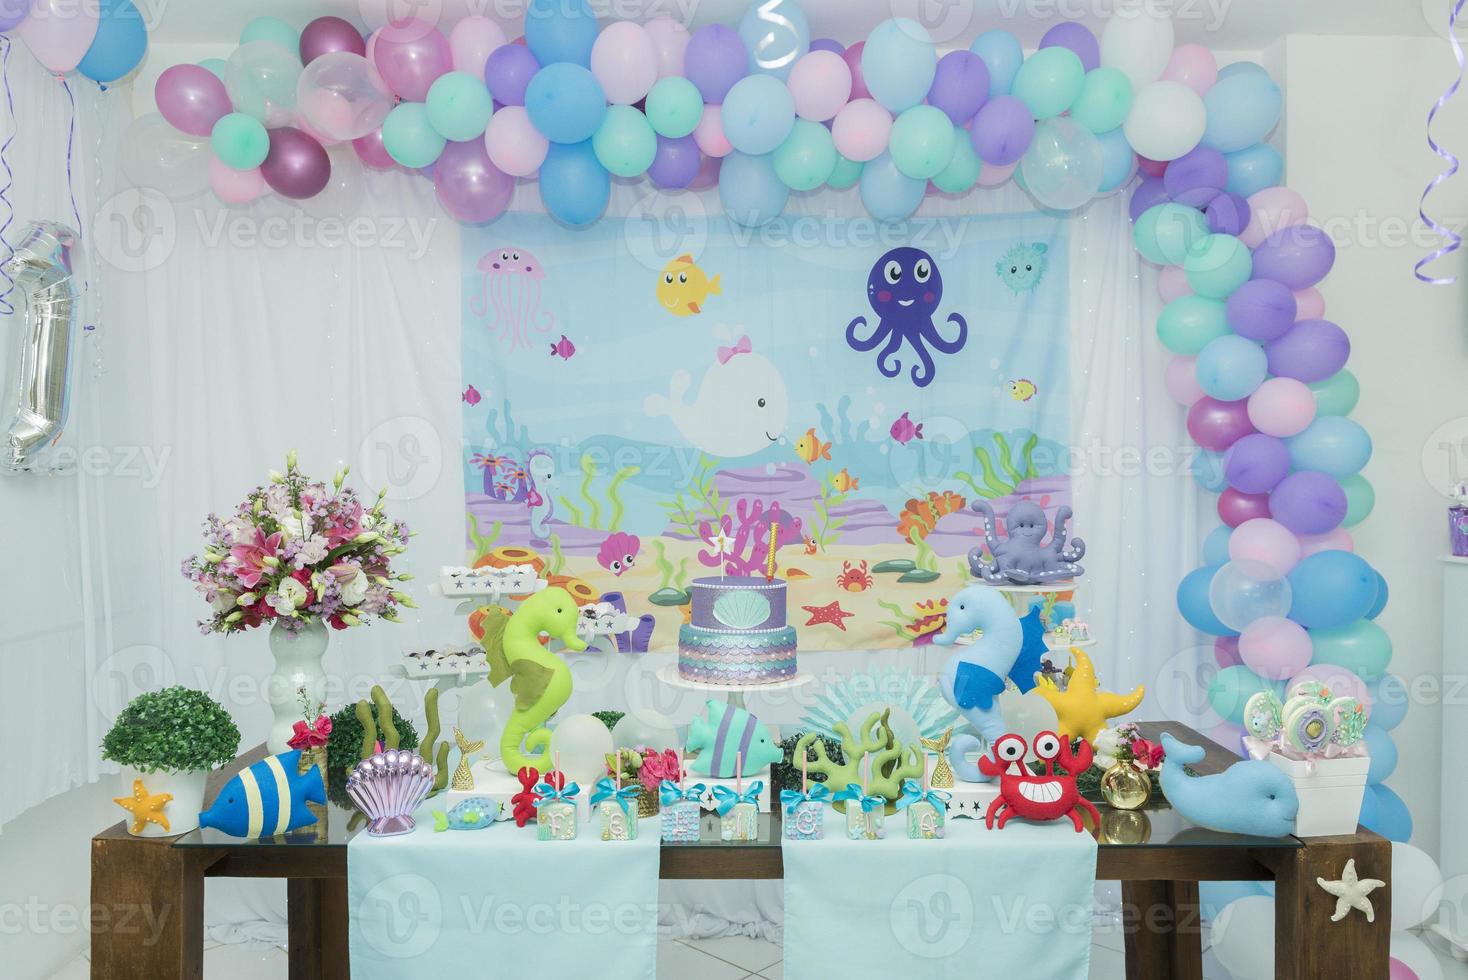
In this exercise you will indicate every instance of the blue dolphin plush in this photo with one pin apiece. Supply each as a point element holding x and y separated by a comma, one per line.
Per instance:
<point>1249,797</point>
<point>973,678</point>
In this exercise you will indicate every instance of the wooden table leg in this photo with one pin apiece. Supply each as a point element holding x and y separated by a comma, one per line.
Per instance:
<point>147,918</point>
<point>1307,945</point>
<point>1162,930</point>
<point>334,929</point>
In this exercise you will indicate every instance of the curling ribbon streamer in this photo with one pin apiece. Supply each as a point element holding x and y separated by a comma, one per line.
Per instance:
<point>1454,240</point>
<point>6,307</point>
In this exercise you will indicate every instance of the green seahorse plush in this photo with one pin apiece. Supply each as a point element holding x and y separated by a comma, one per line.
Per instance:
<point>539,680</point>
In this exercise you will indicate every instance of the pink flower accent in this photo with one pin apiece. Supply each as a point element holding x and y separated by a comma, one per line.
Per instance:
<point>249,559</point>
<point>312,736</point>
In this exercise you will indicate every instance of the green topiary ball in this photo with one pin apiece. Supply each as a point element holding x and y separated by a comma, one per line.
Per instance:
<point>177,729</point>
<point>344,748</point>
<point>608,718</point>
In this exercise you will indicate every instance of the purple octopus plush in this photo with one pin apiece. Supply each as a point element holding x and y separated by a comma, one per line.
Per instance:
<point>1024,557</point>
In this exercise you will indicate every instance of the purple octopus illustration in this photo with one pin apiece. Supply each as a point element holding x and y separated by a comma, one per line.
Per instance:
<point>618,552</point>
<point>905,288</point>
<point>509,297</point>
<point>1022,558</point>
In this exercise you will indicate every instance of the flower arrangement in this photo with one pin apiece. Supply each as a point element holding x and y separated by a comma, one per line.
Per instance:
<point>1124,743</point>
<point>298,551</point>
<point>176,729</point>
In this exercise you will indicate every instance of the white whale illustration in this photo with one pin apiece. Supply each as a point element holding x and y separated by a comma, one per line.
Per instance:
<point>740,409</point>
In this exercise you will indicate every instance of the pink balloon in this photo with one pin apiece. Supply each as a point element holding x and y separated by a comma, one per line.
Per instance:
<point>471,41</point>
<point>235,186</point>
<point>1282,407</point>
<point>1229,735</point>
<point>327,35</point>
<point>993,176</point>
<point>861,130</point>
<point>708,174</point>
<point>670,38</point>
<point>709,134</point>
<point>625,62</point>
<point>1181,380</point>
<point>372,153</point>
<point>411,54</point>
<point>852,57</point>
<point>1226,651</point>
<point>1217,425</point>
<point>59,32</point>
<point>1342,682</point>
<point>1194,66</point>
<point>821,83</point>
<point>1270,210</point>
<point>296,166</point>
<point>1275,647</point>
<point>304,125</point>
<point>1152,168</point>
<point>1309,304</point>
<point>1172,283</point>
<point>513,142</point>
<point>1336,539</point>
<point>1400,971</point>
<point>1235,508</point>
<point>469,186</point>
<point>1267,541</point>
<point>191,98</point>
<point>370,47</point>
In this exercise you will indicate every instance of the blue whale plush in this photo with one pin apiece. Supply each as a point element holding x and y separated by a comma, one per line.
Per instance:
<point>1249,797</point>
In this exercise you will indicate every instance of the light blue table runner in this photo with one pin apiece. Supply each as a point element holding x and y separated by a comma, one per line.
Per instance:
<point>497,902</point>
<point>1011,904</point>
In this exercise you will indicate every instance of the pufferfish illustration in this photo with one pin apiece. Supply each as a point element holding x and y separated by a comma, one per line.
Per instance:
<point>810,448</point>
<point>1022,389</point>
<point>1023,266</point>
<point>683,288</point>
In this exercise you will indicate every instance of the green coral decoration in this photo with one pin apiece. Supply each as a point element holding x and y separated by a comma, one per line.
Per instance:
<point>786,774</point>
<point>349,735</point>
<point>177,729</point>
<point>993,486</point>
<point>483,542</point>
<point>609,718</point>
<point>891,761</point>
<point>438,759</point>
<point>591,517</point>
<point>825,528</point>
<point>701,502</point>
<point>674,588</point>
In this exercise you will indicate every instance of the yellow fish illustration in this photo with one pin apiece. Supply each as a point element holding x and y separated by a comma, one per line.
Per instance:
<point>683,288</point>
<point>1022,389</point>
<point>810,448</point>
<point>844,481</point>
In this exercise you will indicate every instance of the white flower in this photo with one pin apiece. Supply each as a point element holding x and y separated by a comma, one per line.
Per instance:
<point>291,524</point>
<point>354,589</point>
<point>291,595</point>
<point>223,601</point>
<point>313,551</point>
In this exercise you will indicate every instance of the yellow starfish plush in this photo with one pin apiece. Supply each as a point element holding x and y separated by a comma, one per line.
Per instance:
<point>146,808</point>
<point>1083,710</point>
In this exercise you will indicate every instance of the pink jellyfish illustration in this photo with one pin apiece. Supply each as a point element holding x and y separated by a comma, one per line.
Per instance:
<point>509,296</point>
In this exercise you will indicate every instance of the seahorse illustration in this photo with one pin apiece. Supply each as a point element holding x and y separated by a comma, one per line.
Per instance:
<point>541,498</point>
<point>539,680</point>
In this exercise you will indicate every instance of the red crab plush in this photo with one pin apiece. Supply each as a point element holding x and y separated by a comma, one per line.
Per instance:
<point>1047,797</point>
<point>524,800</point>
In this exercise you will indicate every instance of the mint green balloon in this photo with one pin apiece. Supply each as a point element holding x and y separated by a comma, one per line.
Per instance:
<point>240,141</point>
<point>1337,394</point>
<point>1049,81</point>
<point>674,107</point>
<point>805,160</point>
<point>922,142</point>
<point>1105,100</point>
<point>1190,323</point>
<point>1165,233</point>
<point>272,29</point>
<point>846,174</point>
<point>624,143</point>
<point>1217,265</point>
<point>1232,688</point>
<point>408,136</point>
<point>1360,499</point>
<point>1361,647</point>
<point>962,171</point>
<point>459,106</point>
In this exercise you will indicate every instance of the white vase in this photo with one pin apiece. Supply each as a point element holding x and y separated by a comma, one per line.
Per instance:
<point>297,667</point>
<point>182,812</point>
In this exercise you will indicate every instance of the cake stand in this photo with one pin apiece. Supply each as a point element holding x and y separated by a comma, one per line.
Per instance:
<point>669,675</point>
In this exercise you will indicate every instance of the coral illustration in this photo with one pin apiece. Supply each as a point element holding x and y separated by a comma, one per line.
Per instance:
<point>750,531</point>
<point>927,620</point>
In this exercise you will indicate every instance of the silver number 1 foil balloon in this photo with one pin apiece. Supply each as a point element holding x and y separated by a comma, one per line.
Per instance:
<point>40,379</point>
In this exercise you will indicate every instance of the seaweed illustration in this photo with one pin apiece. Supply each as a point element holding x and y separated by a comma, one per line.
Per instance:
<point>502,426</point>
<point>482,542</point>
<point>926,621</point>
<point>825,528</point>
<point>591,517</point>
<point>840,426</point>
<point>700,503</point>
<point>558,559</point>
<point>993,486</point>
<point>673,590</point>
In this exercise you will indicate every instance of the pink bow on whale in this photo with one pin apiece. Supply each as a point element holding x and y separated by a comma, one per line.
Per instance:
<point>741,346</point>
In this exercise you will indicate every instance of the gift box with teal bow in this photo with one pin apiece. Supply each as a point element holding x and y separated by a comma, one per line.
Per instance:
<point>616,809</point>
<point>865,813</point>
<point>681,810</point>
<point>555,811</point>
<point>738,811</point>
<point>805,813</point>
<point>927,810</point>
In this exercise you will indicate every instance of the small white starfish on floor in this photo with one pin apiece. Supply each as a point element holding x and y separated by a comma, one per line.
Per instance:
<point>1350,893</point>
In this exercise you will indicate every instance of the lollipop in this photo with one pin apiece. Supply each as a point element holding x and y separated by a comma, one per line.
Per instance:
<point>1262,715</point>
<point>1349,717</point>
<point>1310,689</point>
<point>1306,725</point>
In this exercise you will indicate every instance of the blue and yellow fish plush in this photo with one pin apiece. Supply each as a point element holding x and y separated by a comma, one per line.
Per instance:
<point>267,799</point>
<point>729,733</point>
<point>475,813</point>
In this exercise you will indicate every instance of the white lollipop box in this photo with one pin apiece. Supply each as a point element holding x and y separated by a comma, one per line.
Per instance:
<point>1330,797</point>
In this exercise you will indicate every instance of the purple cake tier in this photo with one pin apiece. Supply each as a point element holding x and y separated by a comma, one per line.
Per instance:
<point>738,603</point>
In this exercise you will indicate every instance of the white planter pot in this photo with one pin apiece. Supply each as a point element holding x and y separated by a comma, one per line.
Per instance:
<point>297,667</point>
<point>187,790</point>
<point>1330,798</point>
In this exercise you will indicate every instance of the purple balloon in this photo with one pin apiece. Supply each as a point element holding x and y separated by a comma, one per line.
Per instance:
<point>1227,213</point>
<point>1076,37</point>
<point>1298,256</point>
<point>1311,350</point>
<point>676,162</point>
<point>191,98</point>
<point>1196,177</point>
<point>714,60</point>
<point>1308,502</point>
<point>326,35</point>
<point>827,44</point>
<point>960,85</point>
<point>508,72</point>
<point>1256,463</point>
<point>469,186</point>
<point>296,166</point>
<point>12,12</point>
<point>1218,425</point>
<point>1235,508</point>
<point>1003,129</point>
<point>1149,192</point>
<point>410,57</point>
<point>1261,310</point>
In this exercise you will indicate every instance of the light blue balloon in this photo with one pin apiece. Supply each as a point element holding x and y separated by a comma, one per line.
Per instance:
<point>1242,109</point>
<point>898,63</point>
<point>758,114</point>
<point>1252,169</point>
<point>560,30</point>
<point>751,192</point>
<point>1207,470</point>
<point>1386,814</point>
<point>1331,590</point>
<point>776,34</point>
<point>215,65</point>
<point>1215,546</point>
<point>1383,753</point>
<point>119,45</point>
<point>1331,444</point>
<point>1118,162</point>
<point>409,138</point>
<point>1388,701</point>
<point>574,186</point>
<point>1241,68</point>
<point>1383,595</point>
<point>565,103</point>
<point>888,193</point>
<point>272,29</point>
<point>1231,367</point>
<point>1002,55</point>
<point>1049,81</point>
<point>1193,602</point>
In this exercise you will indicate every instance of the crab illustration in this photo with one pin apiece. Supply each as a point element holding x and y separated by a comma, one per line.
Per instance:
<point>854,578</point>
<point>1047,797</point>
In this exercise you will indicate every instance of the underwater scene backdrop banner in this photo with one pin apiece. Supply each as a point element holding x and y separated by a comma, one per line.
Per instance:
<point>643,399</point>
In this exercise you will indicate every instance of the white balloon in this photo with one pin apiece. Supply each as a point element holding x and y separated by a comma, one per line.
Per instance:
<point>645,728</point>
<point>1166,121</point>
<point>154,155</point>
<point>1138,40</point>
<point>342,96</point>
<point>1417,887</point>
<point>1243,937</point>
<point>1063,167</point>
<point>261,79</point>
<point>1416,955</point>
<point>579,745</point>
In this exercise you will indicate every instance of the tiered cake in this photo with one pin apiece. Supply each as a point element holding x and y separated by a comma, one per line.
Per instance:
<point>737,634</point>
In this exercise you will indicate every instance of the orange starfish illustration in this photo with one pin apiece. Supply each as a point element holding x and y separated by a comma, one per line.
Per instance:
<point>830,613</point>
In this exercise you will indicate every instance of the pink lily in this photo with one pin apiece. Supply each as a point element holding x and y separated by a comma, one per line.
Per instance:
<point>249,559</point>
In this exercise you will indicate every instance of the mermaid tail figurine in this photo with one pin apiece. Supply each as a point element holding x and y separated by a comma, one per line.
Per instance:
<point>539,680</point>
